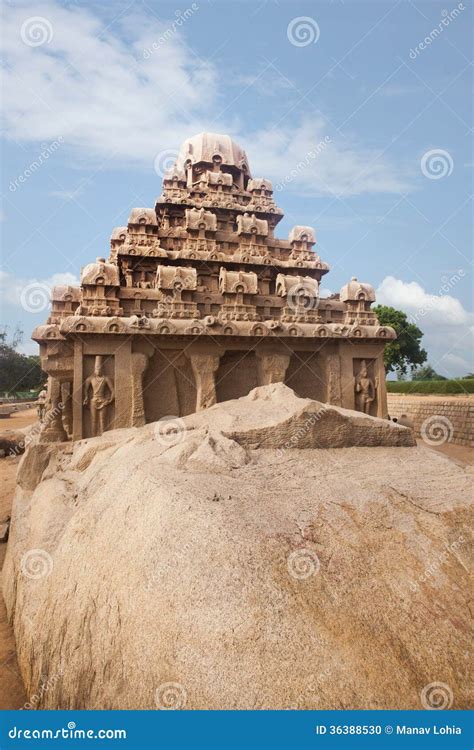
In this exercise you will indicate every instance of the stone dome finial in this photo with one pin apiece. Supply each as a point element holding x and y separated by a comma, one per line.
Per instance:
<point>356,290</point>
<point>213,148</point>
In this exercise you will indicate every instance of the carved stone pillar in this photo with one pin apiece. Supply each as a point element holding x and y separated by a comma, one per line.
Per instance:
<point>139,365</point>
<point>53,430</point>
<point>66,400</point>
<point>204,369</point>
<point>381,388</point>
<point>272,367</point>
<point>333,379</point>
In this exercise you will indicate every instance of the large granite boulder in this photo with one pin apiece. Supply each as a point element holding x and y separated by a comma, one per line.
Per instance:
<point>223,561</point>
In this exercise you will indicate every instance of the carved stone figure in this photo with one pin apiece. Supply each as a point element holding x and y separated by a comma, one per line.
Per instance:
<point>98,394</point>
<point>364,389</point>
<point>41,404</point>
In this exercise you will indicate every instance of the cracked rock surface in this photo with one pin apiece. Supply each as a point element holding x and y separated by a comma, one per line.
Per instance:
<point>227,563</point>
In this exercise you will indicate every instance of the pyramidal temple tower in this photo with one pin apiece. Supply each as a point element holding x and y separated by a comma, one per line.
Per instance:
<point>200,302</point>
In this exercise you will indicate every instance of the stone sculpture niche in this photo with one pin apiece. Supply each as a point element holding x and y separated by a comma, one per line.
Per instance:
<point>98,395</point>
<point>365,387</point>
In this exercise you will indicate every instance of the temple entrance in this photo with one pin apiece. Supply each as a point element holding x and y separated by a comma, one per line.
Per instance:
<point>237,375</point>
<point>305,376</point>
<point>169,387</point>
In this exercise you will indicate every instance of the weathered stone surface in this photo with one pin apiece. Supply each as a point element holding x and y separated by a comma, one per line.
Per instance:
<point>282,420</point>
<point>4,531</point>
<point>247,578</point>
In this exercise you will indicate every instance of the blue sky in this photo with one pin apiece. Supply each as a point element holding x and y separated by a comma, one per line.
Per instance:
<point>359,112</point>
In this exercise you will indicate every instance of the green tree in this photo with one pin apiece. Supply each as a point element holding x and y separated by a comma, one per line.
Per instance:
<point>18,372</point>
<point>426,373</point>
<point>406,350</point>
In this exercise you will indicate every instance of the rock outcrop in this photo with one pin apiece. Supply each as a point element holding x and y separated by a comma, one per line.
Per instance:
<point>224,561</point>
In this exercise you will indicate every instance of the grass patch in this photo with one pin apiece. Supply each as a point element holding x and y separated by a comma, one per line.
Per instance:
<point>431,386</point>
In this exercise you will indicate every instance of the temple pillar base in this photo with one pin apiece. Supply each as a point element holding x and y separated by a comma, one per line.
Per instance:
<point>204,368</point>
<point>53,430</point>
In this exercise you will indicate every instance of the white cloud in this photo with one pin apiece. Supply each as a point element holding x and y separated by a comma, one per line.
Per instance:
<point>98,89</point>
<point>447,326</point>
<point>435,309</point>
<point>12,288</point>
<point>309,158</point>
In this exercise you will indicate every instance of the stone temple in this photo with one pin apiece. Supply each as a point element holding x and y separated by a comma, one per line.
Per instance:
<point>199,302</point>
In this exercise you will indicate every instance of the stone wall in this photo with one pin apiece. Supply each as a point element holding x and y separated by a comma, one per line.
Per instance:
<point>440,418</point>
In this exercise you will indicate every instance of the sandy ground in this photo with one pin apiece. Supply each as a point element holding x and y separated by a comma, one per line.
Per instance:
<point>12,693</point>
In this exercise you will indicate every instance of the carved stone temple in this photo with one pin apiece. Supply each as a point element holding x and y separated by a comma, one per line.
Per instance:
<point>200,302</point>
